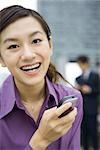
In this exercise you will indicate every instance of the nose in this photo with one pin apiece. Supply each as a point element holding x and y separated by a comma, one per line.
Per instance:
<point>28,53</point>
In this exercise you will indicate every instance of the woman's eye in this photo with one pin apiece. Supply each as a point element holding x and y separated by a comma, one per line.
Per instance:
<point>36,41</point>
<point>13,46</point>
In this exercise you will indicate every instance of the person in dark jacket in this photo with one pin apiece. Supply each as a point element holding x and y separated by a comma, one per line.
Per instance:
<point>88,84</point>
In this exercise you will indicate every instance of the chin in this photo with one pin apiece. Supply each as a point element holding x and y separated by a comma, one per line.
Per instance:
<point>34,82</point>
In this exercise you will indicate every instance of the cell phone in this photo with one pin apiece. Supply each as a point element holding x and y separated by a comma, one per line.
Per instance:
<point>66,99</point>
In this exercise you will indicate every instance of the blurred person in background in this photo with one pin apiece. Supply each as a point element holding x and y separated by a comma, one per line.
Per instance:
<point>88,84</point>
<point>29,116</point>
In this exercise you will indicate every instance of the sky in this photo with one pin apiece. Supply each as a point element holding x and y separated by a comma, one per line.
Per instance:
<point>26,3</point>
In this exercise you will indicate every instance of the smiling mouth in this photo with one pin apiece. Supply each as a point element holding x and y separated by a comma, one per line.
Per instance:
<point>29,68</point>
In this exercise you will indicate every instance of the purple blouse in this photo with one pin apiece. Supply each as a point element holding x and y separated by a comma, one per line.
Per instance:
<point>17,126</point>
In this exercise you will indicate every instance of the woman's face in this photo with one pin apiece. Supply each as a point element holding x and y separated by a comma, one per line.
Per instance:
<point>26,51</point>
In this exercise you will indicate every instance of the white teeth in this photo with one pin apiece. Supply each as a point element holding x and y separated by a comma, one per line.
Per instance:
<point>31,67</point>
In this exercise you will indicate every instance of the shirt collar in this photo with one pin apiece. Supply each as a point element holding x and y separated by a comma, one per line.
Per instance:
<point>8,96</point>
<point>52,99</point>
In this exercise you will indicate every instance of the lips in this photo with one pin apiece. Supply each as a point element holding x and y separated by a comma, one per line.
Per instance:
<point>31,67</point>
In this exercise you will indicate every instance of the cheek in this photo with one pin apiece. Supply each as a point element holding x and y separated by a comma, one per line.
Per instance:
<point>46,51</point>
<point>47,61</point>
<point>47,57</point>
<point>9,61</point>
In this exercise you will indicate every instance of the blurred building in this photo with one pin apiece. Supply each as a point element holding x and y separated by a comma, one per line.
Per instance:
<point>75,26</point>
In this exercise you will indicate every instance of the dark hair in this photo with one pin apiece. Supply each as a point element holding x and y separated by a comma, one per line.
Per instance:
<point>12,13</point>
<point>83,59</point>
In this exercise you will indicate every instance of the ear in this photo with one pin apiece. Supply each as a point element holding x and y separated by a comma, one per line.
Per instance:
<point>51,46</point>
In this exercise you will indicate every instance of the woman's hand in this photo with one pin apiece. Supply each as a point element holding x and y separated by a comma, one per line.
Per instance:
<point>51,127</point>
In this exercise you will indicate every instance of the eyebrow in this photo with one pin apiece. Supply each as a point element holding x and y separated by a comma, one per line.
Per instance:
<point>16,40</point>
<point>36,32</point>
<point>10,40</point>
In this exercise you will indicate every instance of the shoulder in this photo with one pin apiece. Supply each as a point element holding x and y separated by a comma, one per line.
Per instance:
<point>95,75</point>
<point>7,96</point>
<point>65,88</point>
<point>6,83</point>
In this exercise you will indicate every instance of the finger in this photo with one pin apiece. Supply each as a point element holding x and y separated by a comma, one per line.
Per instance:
<point>73,112</point>
<point>69,117</point>
<point>63,108</point>
<point>50,111</point>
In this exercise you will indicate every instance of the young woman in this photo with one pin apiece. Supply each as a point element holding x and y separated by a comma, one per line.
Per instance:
<point>29,116</point>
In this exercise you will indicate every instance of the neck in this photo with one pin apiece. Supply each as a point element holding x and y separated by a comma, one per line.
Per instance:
<point>85,70</point>
<point>31,93</point>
